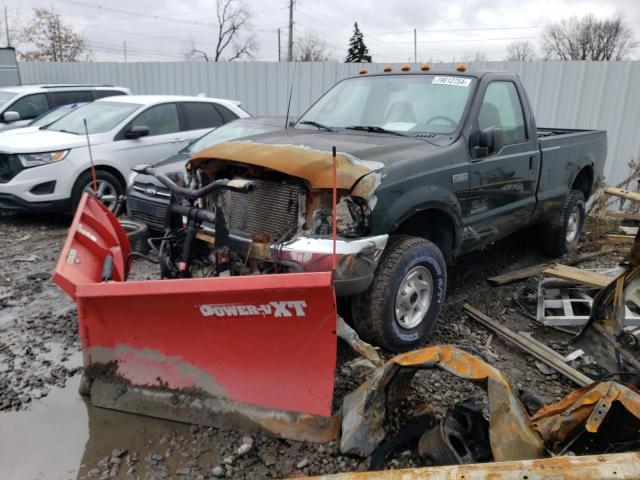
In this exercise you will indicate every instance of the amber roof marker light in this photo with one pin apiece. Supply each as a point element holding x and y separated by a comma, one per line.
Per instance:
<point>363,71</point>
<point>387,68</point>
<point>461,67</point>
<point>425,67</point>
<point>405,67</point>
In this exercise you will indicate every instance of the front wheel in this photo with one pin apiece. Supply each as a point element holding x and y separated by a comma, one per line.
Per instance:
<point>109,189</point>
<point>403,302</point>
<point>561,234</point>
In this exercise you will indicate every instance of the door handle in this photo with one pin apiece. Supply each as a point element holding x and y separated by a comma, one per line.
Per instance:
<point>178,140</point>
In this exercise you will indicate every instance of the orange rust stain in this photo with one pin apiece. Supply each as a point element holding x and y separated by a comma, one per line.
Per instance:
<point>311,165</point>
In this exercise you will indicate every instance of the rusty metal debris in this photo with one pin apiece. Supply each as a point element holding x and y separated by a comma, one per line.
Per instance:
<point>511,433</point>
<point>612,335</point>
<point>585,410</point>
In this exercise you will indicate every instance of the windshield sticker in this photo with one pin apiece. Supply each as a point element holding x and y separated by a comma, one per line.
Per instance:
<point>454,81</point>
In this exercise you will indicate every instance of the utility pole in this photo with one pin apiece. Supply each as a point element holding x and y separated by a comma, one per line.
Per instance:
<point>290,49</point>
<point>279,49</point>
<point>6,26</point>
<point>124,45</point>
<point>415,46</point>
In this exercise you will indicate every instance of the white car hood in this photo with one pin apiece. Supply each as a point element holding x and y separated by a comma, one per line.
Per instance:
<point>18,131</point>
<point>43,141</point>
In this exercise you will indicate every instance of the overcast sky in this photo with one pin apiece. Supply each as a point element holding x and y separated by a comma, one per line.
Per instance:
<point>446,29</point>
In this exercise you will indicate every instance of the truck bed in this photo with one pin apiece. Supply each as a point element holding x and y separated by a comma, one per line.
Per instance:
<point>564,152</point>
<point>554,132</point>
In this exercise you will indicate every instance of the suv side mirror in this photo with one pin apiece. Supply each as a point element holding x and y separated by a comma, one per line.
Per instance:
<point>11,116</point>
<point>292,122</point>
<point>136,131</point>
<point>490,141</point>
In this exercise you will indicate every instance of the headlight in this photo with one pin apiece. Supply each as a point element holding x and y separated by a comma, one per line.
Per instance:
<point>35,159</point>
<point>131,178</point>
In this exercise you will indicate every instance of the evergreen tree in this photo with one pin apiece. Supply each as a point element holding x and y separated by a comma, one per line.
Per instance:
<point>358,51</point>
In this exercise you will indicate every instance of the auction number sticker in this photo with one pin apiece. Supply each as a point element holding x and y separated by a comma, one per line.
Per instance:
<point>453,81</point>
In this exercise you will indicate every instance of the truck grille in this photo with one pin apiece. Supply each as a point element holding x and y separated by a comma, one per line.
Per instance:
<point>271,209</point>
<point>10,166</point>
<point>153,212</point>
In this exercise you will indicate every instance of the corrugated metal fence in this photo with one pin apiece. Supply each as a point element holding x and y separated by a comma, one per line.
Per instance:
<point>594,95</point>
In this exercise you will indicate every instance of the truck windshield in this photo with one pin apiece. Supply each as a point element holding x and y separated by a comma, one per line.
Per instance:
<point>101,117</point>
<point>411,104</point>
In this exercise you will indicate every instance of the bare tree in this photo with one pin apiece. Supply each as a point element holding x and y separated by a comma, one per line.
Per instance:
<point>310,48</point>
<point>588,38</point>
<point>190,51</point>
<point>233,16</point>
<point>48,38</point>
<point>473,57</point>
<point>522,51</point>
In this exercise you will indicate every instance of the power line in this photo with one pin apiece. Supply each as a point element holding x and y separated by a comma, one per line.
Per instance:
<point>138,14</point>
<point>468,40</point>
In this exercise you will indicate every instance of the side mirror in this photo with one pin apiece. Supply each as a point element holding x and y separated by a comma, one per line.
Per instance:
<point>136,131</point>
<point>292,122</point>
<point>490,141</point>
<point>11,116</point>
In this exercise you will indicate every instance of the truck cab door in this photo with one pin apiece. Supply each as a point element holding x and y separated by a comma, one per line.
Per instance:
<point>504,162</point>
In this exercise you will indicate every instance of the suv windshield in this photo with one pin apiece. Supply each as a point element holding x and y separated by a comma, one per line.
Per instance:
<point>51,116</point>
<point>6,96</point>
<point>230,131</point>
<point>413,104</point>
<point>101,117</point>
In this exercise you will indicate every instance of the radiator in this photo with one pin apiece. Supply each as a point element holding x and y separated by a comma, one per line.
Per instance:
<point>270,209</point>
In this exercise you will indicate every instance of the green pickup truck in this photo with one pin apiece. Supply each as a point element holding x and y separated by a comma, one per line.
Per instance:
<point>431,165</point>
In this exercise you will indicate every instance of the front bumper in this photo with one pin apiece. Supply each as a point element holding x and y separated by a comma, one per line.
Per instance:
<point>357,259</point>
<point>13,203</point>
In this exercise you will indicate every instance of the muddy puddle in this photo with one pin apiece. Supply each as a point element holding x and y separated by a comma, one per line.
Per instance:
<point>63,437</point>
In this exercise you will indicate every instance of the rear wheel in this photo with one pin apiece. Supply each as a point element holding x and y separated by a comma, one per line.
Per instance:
<point>109,189</point>
<point>561,234</point>
<point>403,302</point>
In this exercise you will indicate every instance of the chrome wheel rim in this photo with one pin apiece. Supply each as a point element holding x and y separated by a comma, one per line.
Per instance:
<point>573,224</point>
<point>413,297</point>
<point>107,193</point>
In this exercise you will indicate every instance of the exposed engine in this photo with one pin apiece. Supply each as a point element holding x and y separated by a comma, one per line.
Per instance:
<point>246,231</point>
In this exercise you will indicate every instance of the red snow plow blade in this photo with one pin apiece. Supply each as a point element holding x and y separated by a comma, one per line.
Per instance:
<point>251,352</point>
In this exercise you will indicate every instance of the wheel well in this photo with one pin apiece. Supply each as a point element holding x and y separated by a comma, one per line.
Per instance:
<point>584,182</point>
<point>433,225</point>
<point>113,171</point>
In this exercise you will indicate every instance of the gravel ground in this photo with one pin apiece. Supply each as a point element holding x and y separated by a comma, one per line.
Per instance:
<point>40,353</point>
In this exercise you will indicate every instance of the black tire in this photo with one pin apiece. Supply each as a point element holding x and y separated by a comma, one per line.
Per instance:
<point>137,233</point>
<point>373,312</point>
<point>86,179</point>
<point>553,233</point>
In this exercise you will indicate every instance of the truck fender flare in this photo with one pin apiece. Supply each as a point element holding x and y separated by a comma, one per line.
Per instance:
<point>450,210</point>
<point>590,168</point>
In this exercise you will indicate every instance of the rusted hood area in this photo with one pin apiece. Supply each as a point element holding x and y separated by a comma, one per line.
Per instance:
<point>314,166</point>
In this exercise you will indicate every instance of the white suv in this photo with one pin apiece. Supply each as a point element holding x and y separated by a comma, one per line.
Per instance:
<point>49,169</point>
<point>20,104</point>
